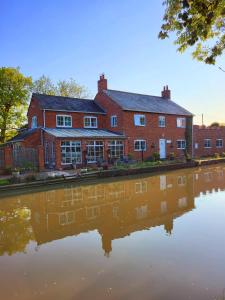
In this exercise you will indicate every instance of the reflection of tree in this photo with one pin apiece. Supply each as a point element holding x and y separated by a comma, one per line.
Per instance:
<point>15,230</point>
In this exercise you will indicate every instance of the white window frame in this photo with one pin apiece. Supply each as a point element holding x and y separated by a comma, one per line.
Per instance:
<point>113,121</point>
<point>77,155</point>
<point>162,121</point>
<point>64,116</point>
<point>34,120</point>
<point>116,148</point>
<point>181,122</point>
<point>90,118</point>
<point>182,147</point>
<point>207,141</point>
<point>220,145</point>
<point>137,120</point>
<point>140,149</point>
<point>94,146</point>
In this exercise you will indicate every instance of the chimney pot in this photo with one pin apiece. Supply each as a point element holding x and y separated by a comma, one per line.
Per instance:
<point>166,93</point>
<point>102,83</point>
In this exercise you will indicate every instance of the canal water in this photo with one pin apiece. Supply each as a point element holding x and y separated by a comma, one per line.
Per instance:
<point>147,237</point>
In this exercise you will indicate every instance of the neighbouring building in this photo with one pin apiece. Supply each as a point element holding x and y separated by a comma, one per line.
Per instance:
<point>114,125</point>
<point>208,140</point>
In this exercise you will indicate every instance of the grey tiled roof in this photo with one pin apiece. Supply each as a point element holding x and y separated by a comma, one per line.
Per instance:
<point>59,103</point>
<point>22,135</point>
<point>146,103</point>
<point>82,133</point>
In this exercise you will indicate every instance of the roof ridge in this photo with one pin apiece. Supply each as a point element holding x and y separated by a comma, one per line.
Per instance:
<point>135,93</point>
<point>58,96</point>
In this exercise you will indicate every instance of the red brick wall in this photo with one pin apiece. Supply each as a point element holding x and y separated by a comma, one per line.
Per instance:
<point>33,140</point>
<point>111,108</point>
<point>152,133</point>
<point>201,133</point>
<point>34,110</point>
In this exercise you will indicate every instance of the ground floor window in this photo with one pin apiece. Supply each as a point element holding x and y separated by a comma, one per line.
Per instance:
<point>140,145</point>
<point>95,151</point>
<point>219,143</point>
<point>71,152</point>
<point>116,149</point>
<point>207,143</point>
<point>181,144</point>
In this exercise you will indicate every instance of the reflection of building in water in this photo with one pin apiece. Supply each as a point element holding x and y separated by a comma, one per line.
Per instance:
<point>118,208</point>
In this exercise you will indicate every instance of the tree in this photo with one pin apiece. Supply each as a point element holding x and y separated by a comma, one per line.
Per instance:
<point>14,94</point>
<point>197,23</point>
<point>44,85</point>
<point>65,88</point>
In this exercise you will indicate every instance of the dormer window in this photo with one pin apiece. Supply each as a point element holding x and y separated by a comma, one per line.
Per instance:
<point>90,122</point>
<point>34,122</point>
<point>63,121</point>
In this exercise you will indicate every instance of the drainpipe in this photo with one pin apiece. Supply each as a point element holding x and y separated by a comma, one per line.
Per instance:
<point>44,117</point>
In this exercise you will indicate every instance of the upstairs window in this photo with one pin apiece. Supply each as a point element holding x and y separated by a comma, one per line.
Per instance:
<point>140,145</point>
<point>139,120</point>
<point>219,143</point>
<point>181,144</point>
<point>181,122</point>
<point>162,121</point>
<point>90,122</point>
<point>207,143</point>
<point>63,121</point>
<point>113,121</point>
<point>34,122</point>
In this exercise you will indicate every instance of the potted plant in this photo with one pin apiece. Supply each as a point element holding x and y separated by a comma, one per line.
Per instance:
<point>172,156</point>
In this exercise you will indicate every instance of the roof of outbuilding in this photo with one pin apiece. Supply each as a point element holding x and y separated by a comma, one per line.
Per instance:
<point>59,103</point>
<point>22,135</point>
<point>82,133</point>
<point>146,103</point>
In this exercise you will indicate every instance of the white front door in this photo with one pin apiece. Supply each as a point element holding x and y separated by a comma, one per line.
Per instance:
<point>162,148</point>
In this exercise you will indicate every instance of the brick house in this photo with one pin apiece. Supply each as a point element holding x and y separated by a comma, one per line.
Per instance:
<point>113,125</point>
<point>150,123</point>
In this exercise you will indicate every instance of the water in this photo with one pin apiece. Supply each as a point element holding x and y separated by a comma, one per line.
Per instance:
<point>146,237</point>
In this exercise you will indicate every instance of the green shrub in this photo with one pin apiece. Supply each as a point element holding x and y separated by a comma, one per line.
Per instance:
<point>4,181</point>
<point>216,155</point>
<point>155,156</point>
<point>130,156</point>
<point>223,154</point>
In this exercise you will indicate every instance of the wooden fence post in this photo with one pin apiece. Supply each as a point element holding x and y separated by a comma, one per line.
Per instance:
<point>41,161</point>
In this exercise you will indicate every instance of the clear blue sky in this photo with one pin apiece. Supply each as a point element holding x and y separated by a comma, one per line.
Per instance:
<point>83,38</point>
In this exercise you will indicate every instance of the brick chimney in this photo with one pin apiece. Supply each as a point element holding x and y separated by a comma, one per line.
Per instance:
<point>166,93</point>
<point>102,83</point>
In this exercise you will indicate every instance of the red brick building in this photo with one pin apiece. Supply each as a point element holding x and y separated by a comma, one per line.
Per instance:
<point>208,140</point>
<point>113,126</point>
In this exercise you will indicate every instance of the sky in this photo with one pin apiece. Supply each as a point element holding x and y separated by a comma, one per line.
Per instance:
<point>84,38</point>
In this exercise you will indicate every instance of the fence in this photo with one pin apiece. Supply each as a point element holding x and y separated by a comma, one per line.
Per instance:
<point>26,158</point>
<point>2,158</point>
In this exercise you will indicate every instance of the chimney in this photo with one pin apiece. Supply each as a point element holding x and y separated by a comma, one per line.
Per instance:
<point>102,83</point>
<point>166,93</point>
